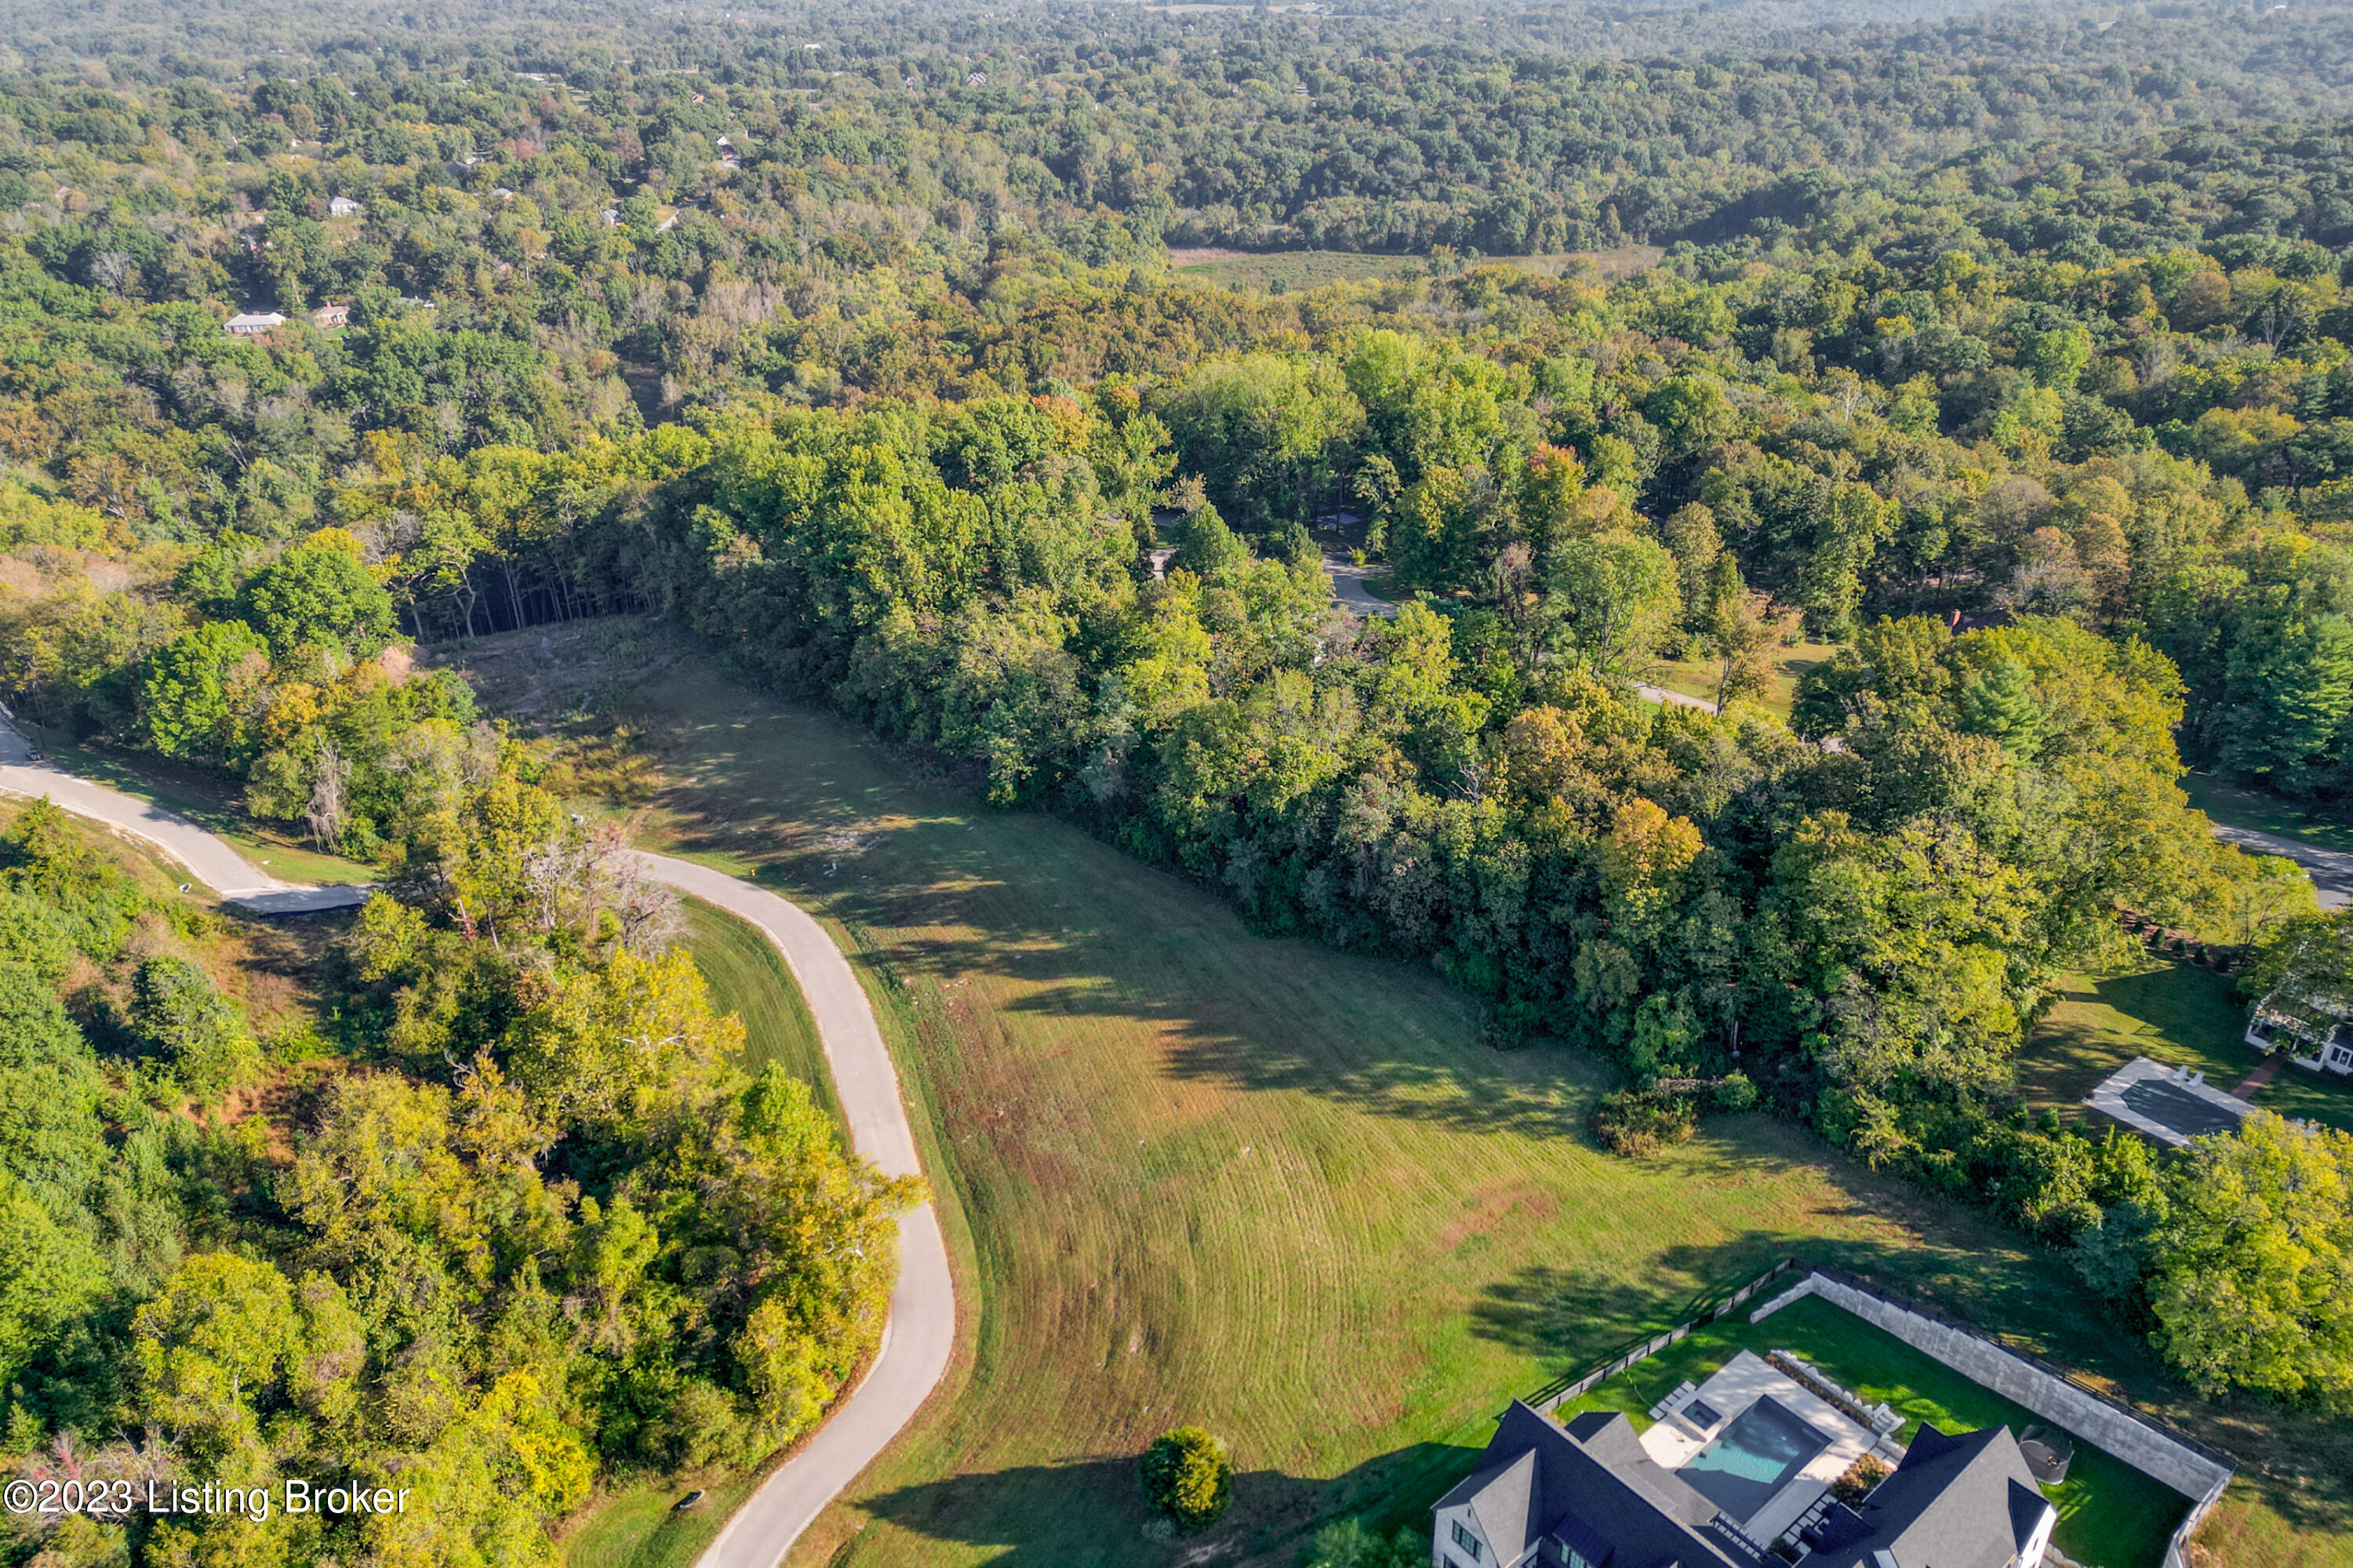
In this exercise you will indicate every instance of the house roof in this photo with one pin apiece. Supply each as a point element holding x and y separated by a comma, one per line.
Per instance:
<point>1592,1485</point>
<point>1968,1502</point>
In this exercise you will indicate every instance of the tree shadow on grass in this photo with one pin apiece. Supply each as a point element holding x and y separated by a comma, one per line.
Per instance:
<point>1029,898</point>
<point>1093,1511</point>
<point>937,888</point>
<point>1570,1317</point>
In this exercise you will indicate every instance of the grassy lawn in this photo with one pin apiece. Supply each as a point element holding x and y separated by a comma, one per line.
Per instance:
<point>1187,1173</point>
<point>748,978</point>
<point>2175,1014</point>
<point>2110,1515</point>
<point>1697,678</point>
<point>642,1527</point>
<point>1296,271</point>
<point>2227,803</point>
<point>210,801</point>
<point>1608,266</point>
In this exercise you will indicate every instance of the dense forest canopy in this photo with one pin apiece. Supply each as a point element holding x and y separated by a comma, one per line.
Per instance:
<point>2007,354</point>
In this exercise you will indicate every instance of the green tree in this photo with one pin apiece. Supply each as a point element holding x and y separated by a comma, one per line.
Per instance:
<point>1188,1477</point>
<point>2252,1287</point>
<point>203,691</point>
<point>30,935</point>
<point>213,1347</point>
<point>190,1026</point>
<point>1614,596</point>
<point>319,595</point>
<point>1851,528</point>
<point>1208,548</point>
<point>1998,700</point>
<point>49,1274</point>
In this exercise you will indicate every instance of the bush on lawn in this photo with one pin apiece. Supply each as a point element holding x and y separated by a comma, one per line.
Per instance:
<point>1638,1123</point>
<point>1353,1543</point>
<point>1861,1476</point>
<point>1188,1477</point>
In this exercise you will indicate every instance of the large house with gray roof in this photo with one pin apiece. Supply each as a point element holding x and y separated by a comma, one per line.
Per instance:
<point>1592,1495</point>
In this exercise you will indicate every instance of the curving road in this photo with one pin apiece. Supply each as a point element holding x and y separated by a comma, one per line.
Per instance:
<point>1348,586</point>
<point>2331,870</point>
<point>204,857</point>
<point>920,1337</point>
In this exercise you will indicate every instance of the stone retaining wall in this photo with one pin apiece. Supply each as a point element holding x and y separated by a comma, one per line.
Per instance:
<point>2166,1459</point>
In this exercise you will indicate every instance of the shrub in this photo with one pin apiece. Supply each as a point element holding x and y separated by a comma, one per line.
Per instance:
<point>1352,1544</point>
<point>1637,1124</point>
<point>1188,1477</point>
<point>1861,1476</point>
<point>190,1026</point>
<point>1735,1091</point>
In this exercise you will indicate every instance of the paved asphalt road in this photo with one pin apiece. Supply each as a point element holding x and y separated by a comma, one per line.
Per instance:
<point>921,1332</point>
<point>2331,870</point>
<point>206,858</point>
<point>1348,586</point>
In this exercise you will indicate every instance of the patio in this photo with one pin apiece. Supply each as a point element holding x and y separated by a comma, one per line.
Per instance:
<point>1756,1442</point>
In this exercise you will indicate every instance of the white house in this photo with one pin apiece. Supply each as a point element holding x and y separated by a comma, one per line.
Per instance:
<point>343,207</point>
<point>251,326</point>
<point>2317,1035</point>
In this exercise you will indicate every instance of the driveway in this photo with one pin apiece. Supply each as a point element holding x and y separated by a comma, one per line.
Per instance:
<point>1348,586</point>
<point>2331,870</point>
<point>921,1335</point>
<point>206,858</point>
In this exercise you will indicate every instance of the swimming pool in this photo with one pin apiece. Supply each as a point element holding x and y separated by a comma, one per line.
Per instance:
<point>1754,1457</point>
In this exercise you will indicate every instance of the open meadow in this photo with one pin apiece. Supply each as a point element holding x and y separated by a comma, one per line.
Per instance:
<point>1193,1174</point>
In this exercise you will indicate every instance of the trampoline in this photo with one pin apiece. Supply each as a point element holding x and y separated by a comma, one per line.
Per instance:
<point>2048,1451</point>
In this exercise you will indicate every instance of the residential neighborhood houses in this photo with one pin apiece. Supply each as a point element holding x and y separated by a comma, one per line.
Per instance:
<point>252,324</point>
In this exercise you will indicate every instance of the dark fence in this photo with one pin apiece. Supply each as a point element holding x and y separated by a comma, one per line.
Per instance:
<point>1717,1301</point>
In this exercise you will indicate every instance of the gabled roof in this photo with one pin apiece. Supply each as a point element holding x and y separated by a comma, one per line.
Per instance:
<point>1503,1501</point>
<point>1954,1502</point>
<point>1594,1487</point>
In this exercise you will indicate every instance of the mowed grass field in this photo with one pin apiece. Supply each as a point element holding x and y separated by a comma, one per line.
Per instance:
<point>1296,270</point>
<point>2318,824</point>
<point>1697,678</point>
<point>748,978</point>
<point>1189,1173</point>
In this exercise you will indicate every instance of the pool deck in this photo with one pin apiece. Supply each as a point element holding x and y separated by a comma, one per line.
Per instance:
<point>2165,1104</point>
<point>1739,1384</point>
